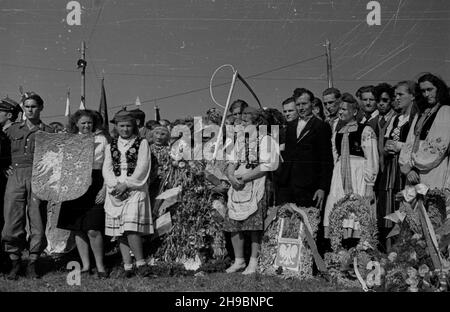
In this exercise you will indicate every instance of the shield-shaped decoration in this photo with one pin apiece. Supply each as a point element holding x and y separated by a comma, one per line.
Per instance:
<point>62,165</point>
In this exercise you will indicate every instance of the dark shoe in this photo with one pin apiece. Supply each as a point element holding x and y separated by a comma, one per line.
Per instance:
<point>31,270</point>
<point>102,275</point>
<point>127,273</point>
<point>15,269</point>
<point>143,271</point>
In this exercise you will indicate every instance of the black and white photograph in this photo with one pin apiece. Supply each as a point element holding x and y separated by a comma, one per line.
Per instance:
<point>225,154</point>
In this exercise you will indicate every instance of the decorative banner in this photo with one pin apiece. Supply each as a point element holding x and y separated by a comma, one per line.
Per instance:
<point>62,166</point>
<point>290,245</point>
<point>163,224</point>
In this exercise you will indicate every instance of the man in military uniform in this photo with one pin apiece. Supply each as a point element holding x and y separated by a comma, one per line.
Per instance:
<point>6,114</point>
<point>20,203</point>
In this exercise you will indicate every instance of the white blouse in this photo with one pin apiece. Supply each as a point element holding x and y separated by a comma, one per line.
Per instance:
<point>142,171</point>
<point>431,159</point>
<point>369,145</point>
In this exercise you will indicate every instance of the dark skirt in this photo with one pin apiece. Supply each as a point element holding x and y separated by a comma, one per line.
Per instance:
<point>390,183</point>
<point>82,214</point>
<point>255,222</point>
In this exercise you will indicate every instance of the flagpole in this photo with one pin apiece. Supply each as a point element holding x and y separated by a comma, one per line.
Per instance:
<point>329,65</point>
<point>82,64</point>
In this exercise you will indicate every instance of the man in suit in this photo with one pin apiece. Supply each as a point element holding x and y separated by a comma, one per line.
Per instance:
<point>308,165</point>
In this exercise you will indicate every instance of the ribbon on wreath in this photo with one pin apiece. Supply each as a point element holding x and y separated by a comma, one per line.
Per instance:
<point>351,227</point>
<point>309,237</point>
<point>411,193</point>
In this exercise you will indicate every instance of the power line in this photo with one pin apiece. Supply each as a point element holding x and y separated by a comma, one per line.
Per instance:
<point>222,84</point>
<point>216,85</point>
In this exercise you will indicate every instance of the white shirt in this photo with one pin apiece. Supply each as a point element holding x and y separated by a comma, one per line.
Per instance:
<point>372,116</point>
<point>301,124</point>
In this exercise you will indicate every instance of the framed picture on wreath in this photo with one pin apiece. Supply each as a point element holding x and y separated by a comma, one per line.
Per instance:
<point>290,245</point>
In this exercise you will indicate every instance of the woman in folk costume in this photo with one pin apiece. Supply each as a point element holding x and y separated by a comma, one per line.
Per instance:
<point>127,205</point>
<point>247,198</point>
<point>161,161</point>
<point>391,180</point>
<point>424,157</point>
<point>357,166</point>
<point>85,215</point>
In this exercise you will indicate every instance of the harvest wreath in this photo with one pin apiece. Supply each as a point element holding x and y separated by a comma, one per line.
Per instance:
<point>352,217</point>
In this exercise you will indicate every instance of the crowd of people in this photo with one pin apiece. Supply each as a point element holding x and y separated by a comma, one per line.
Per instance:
<point>329,145</point>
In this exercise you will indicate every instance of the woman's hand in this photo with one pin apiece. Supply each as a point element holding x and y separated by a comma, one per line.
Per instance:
<point>119,189</point>
<point>413,177</point>
<point>236,183</point>
<point>392,147</point>
<point>101,195</point>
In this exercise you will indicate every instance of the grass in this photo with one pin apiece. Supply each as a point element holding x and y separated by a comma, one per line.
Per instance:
<point>54,279</point>
<point>215,282</point>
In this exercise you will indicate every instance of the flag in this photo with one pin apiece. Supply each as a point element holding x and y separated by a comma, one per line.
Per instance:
<point>166,200</point>
<point>103,110</point>
<point>82,105</point>
<point>138,101</point>
<point>157,116</point>
<point>67,113</point>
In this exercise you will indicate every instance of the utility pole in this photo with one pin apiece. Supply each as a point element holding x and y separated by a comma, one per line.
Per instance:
<point>329,67</point>
<point>82,64</point>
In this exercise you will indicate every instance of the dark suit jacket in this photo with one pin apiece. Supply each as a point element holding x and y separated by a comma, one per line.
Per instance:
<point>308,161</point>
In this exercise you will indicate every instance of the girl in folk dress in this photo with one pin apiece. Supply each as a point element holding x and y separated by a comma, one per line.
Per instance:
<point>85,215</point>
<point>127,205</point>
<point>247,198</point>
<point>357,166</point>
<point>424,157</point>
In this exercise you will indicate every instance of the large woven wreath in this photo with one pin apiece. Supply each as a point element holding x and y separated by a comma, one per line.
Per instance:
<point>270,242</point>
<point>360,208</point>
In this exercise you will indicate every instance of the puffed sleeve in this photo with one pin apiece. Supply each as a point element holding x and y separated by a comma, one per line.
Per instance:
<point>143,166</point>
<point>269,153</point>
<point>100,143</point>
<point>434,148</point>
<point>107,171</point>
<point>369,144</point>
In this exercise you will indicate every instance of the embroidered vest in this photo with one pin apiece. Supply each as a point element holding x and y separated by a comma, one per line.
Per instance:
<point>354,139</point>
<point>131,156</point>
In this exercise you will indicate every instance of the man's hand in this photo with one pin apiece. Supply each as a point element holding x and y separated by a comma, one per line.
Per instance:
<point>101,195</point>
<point>9,171</point>
<point>413,177</point>
<point>319,195</point>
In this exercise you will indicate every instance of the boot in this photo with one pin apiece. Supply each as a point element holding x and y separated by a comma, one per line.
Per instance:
<point>32,271</point>
<point>15,269</point>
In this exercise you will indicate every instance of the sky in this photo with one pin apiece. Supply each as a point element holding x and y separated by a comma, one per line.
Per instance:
<point>166,51</point>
